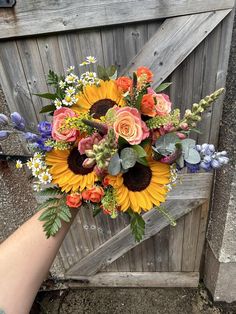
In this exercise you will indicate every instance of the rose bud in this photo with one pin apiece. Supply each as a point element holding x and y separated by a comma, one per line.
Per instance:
<point>74,200</point>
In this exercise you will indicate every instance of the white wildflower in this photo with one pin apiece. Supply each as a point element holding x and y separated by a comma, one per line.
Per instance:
<point>91,59</point>
<point>70,91</point>
<point>19,164</point>
<point>69,100</point>
<point>71,68</point>
<point>37,187</point>
<point>71,78</point>
<point>62,84</point>
<point>45,177</point>
<point>57,103</point>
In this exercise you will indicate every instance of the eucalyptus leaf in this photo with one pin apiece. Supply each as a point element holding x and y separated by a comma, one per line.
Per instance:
<point>165,144</point>
<point>114,166</point>
<point>128,157</point>
<point>193,156</point>
<point>180,161</point>
<point>142,161</point>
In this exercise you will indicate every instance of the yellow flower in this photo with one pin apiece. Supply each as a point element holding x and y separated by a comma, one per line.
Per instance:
<point>98,99</point>
<point>142,187</point>
<point>67,171</point>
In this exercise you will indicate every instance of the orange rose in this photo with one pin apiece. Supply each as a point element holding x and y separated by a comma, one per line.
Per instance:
<point>74,200</point>
<point>124,84</point>
<point>94,194</point>
<point>148,105</point>
<point>146,73</point>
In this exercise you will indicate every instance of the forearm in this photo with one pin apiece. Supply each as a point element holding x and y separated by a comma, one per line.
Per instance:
<point>25,259</point>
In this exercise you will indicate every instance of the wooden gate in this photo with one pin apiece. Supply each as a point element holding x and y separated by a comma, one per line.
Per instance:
<point>186,42</point>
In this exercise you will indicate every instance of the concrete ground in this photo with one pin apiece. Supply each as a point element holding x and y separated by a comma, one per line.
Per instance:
<point>129,301</point>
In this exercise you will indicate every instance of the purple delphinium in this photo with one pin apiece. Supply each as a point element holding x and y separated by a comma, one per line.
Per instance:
<point>18,121</point>
<point>45,130</point>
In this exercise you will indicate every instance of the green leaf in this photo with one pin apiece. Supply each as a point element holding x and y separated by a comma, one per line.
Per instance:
<point>137,225</point>
<point>196,131</point>
<point>142,161</point>
<point>162,87</point>
<point>48,203</point>
<point>165,213</point>
<point>139,150</point>
<point>102,73</point>
<point>128,157</point>
<point>48,108</point>
<point>122,142</point>
<point>47,96</point>
<point>114,166</point>
<point>96,210</point>
<point>112,72</point>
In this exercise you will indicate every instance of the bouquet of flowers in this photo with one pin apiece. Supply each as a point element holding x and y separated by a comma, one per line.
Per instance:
<point>112,142</point>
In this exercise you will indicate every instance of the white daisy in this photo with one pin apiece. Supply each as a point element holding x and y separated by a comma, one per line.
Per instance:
<point>57,103</point>
<point>19,164</point>
<point>69,100</point>
<point>71,68</point>
<point>70,91</point>
<point>71,78</point>
<point>45,177</point>
<point>62,84</point>
<point>91,59</point>
<point>37,187</point>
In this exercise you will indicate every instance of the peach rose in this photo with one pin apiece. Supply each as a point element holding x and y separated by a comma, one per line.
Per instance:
<point>124,84</point>
<point>130,126</point>
<point>58,122</point>
<point>146,73</point>
<point>163,104</point>
<point>74,200</point>
<point>148,105</point>
<point>94,194</point>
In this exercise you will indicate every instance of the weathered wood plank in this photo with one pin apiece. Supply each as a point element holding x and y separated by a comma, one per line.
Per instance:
<point>39,17</point>
<point>34,72</point>
<point>201,235</point>
<point>14,83</point>
<point>192,186</point>
<point>174,41</point>
<point>138,279</point>
<point>175,245</point>
<point>161,247</point>
<point>191,227</point>
<point>123,241</point>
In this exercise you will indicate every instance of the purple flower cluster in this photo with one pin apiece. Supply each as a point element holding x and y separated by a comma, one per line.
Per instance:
<point>18,121</point>
<point>45,129</point>
<point>210,159</point>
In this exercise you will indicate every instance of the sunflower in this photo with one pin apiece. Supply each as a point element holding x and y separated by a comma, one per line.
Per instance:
<point>141,187</point>
<point>67,171</point>
<point>98,99</point>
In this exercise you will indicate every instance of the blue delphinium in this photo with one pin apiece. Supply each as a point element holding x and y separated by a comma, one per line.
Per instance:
<point>210,159</point>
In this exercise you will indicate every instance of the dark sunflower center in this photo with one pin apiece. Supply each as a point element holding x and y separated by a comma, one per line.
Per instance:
<point>100,107</point>
<point>137,178</point>
<point>75,161</point>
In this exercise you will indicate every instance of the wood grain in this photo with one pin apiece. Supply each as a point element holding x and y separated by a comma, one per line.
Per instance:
<point>39,17</point>
<point>137,279</point>
<point>174,41</point>
<point>123,241</point>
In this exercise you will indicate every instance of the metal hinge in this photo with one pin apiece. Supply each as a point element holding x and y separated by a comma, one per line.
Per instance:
<point>7,3</point>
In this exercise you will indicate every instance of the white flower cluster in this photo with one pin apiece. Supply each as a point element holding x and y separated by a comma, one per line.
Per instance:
<point>173,177</point>
<point>39,170</point>
<point>89,78</point>
<point>72,85</point>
